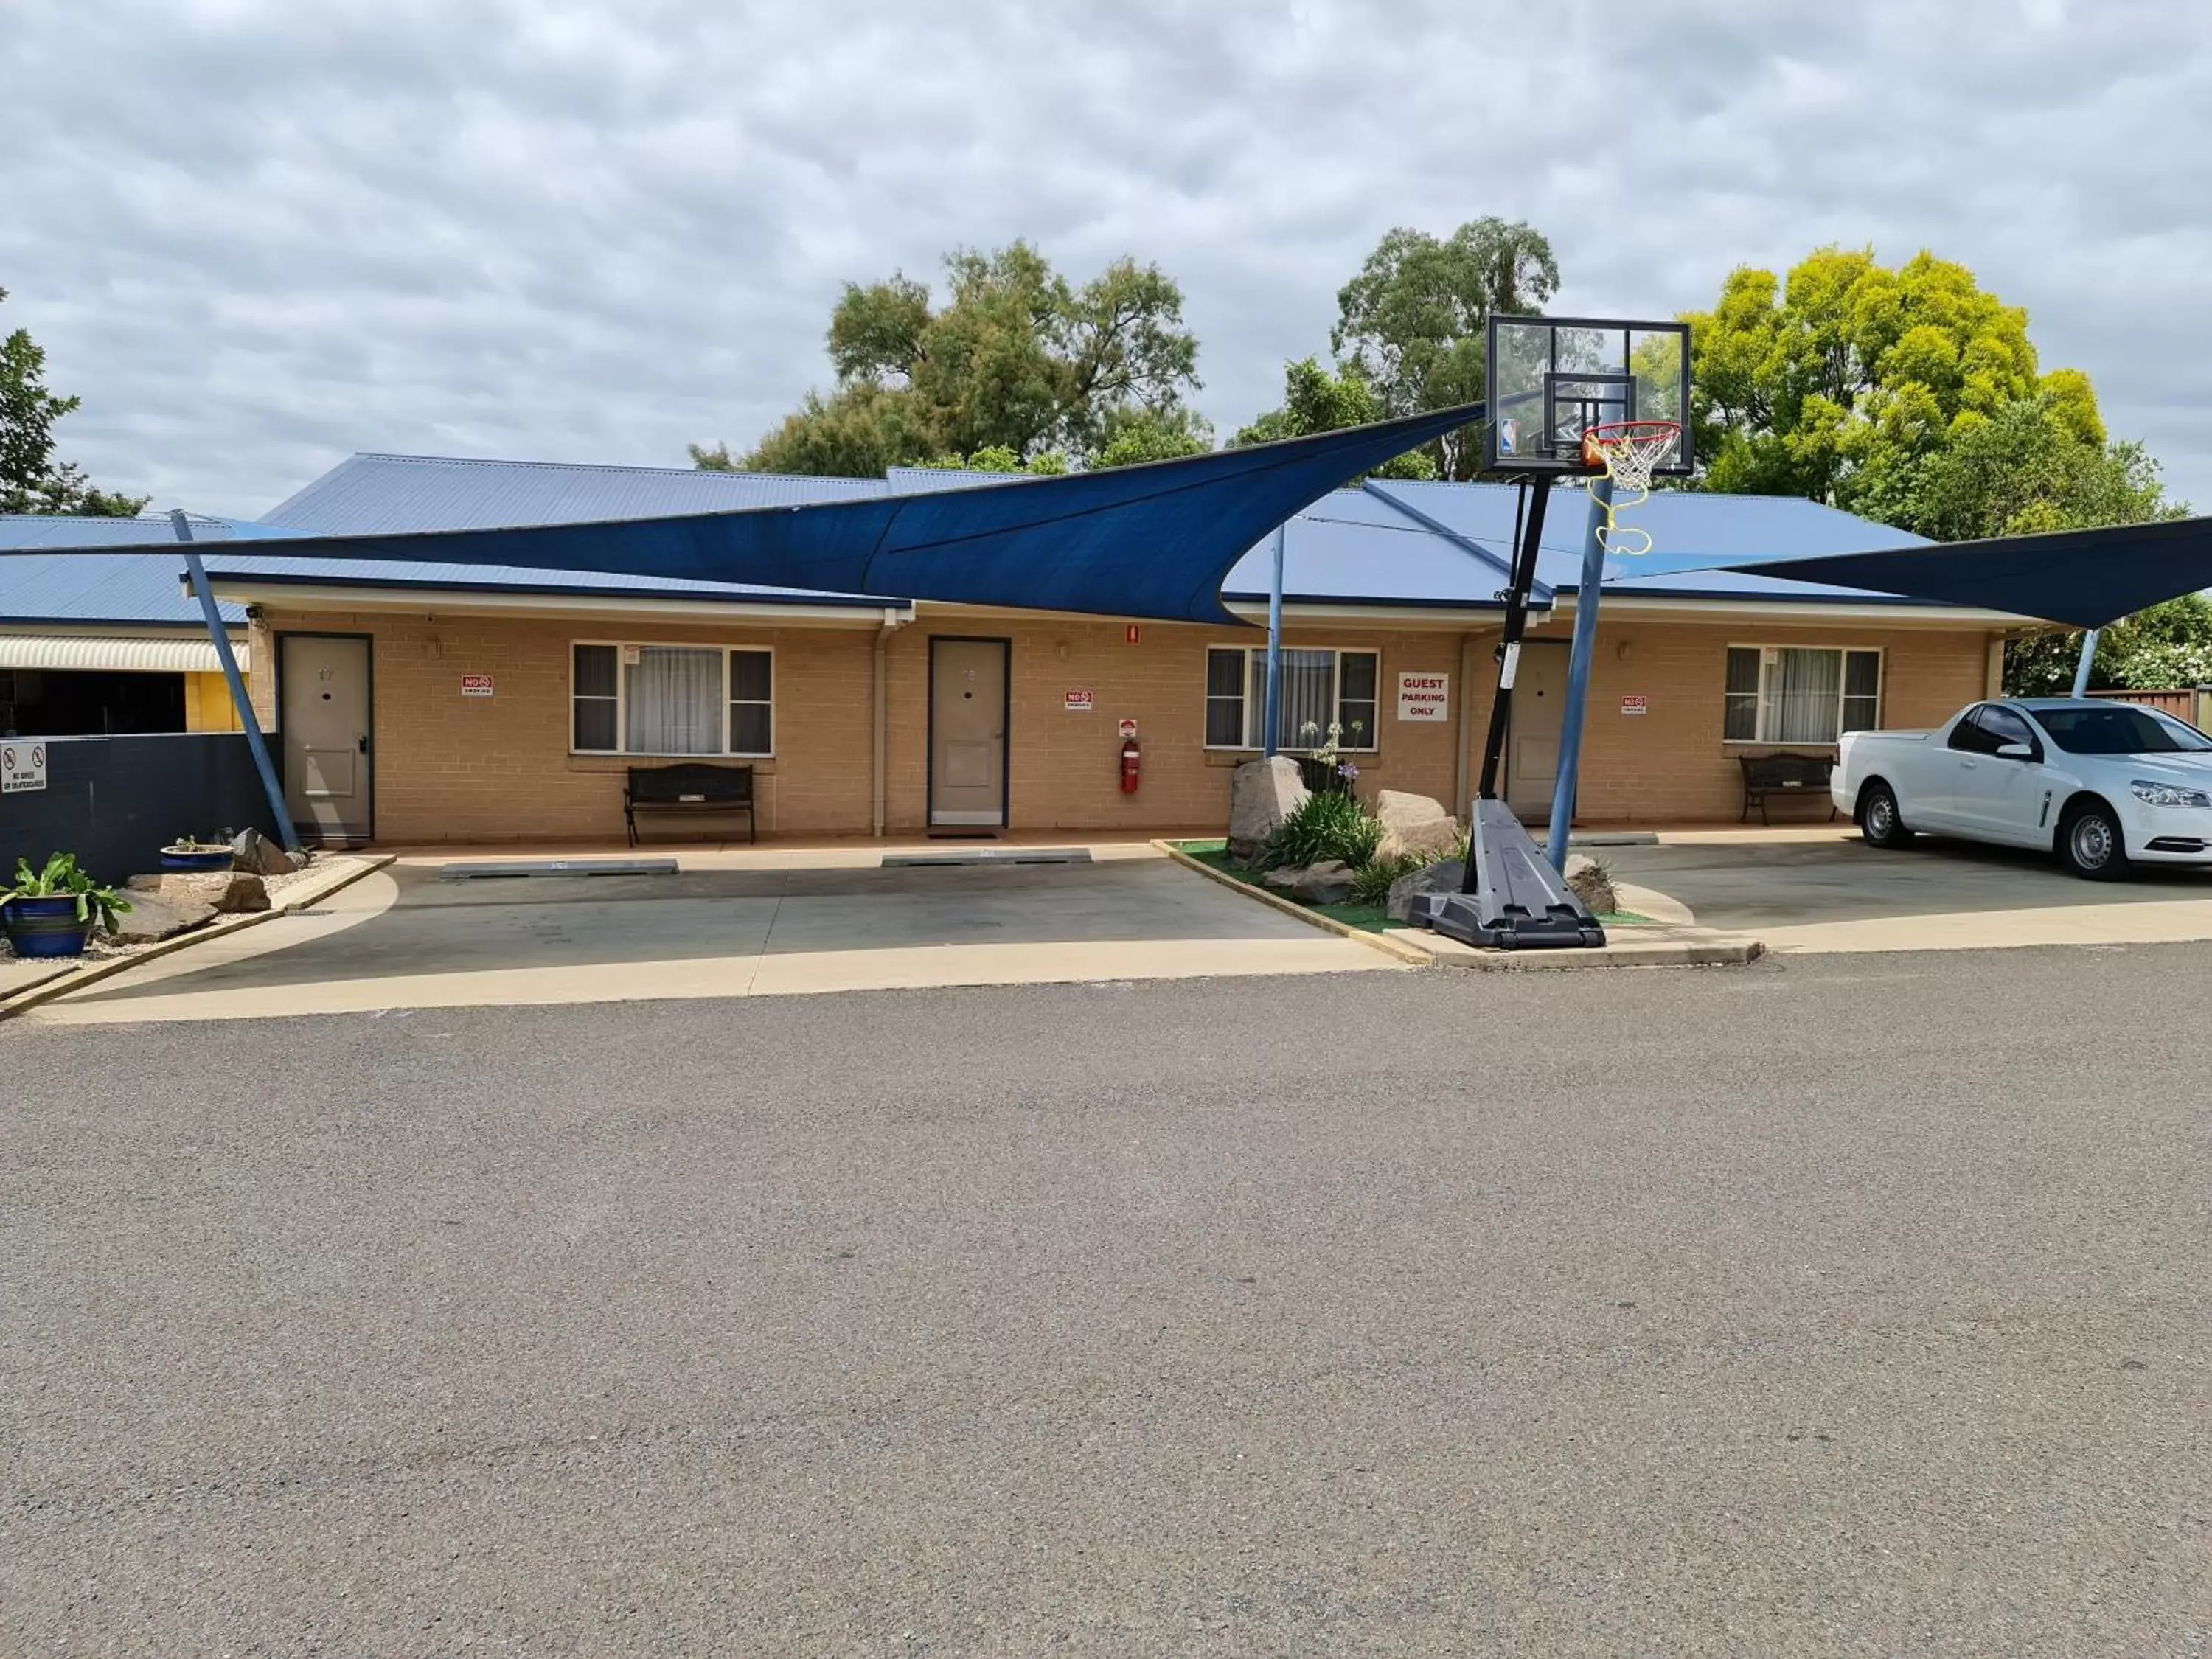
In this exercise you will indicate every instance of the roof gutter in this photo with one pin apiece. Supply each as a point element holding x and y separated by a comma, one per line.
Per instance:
<point>477,601</point>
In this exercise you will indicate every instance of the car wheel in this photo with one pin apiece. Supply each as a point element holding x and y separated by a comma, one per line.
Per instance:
<point>1879,819</point>
<point>2090,844</point>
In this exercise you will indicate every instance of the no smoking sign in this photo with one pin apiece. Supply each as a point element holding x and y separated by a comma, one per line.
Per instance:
<point>23,765</point>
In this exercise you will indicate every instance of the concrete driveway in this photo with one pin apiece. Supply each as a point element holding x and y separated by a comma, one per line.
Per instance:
<point>726,925</point>
<point>1824,889</point>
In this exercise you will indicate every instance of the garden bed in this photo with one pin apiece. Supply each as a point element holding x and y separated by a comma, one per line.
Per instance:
<point>1368,917</point>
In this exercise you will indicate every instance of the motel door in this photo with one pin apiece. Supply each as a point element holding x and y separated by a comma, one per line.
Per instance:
<point>1532,743</point>
<point>968,733</point>
<point>324,707</point>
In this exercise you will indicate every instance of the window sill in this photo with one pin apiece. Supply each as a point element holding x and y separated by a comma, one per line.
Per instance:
<point>590,760</point>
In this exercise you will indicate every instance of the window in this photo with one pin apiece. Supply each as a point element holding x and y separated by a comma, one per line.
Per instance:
<point>1970,736</point>
<point>1320,687</point>
<point>1799,694</point>
<point>671,700</point>
<point>2120,729</point>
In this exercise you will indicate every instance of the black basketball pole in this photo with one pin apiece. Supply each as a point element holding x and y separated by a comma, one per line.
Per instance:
<point>1517,621</point>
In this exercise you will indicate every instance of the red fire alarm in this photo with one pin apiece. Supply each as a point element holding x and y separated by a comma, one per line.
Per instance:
<point>1131,634</point>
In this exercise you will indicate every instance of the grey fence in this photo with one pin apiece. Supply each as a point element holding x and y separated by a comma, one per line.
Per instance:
<point>114,802</point>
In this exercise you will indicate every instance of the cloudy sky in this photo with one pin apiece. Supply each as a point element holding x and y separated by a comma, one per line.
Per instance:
<point>257,235</point>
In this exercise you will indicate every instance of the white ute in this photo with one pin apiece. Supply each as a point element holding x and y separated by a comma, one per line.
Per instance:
<point>2100,784</point>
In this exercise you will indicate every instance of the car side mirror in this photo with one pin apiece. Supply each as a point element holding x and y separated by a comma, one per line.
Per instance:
<point>2016,752</point>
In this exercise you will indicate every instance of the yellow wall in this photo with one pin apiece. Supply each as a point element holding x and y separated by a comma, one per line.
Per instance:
<point>207,703</point>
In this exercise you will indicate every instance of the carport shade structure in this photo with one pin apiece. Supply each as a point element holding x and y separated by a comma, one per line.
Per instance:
<point>2083,578</point>
<point>1152,541</point>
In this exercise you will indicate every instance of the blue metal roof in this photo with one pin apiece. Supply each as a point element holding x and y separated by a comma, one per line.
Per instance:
<point>140,589</point>
<point>1691,532</point>
<point>376,494</point>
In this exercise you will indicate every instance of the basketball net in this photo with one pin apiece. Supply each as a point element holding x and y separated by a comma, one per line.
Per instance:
<point>1627,452</point>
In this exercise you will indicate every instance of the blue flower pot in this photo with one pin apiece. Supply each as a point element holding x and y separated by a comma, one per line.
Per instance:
<point>218,860</point>
<point>45,927</point>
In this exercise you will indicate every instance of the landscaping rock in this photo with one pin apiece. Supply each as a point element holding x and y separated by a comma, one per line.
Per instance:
<point>153,917</point>
<point>1414,826</point>
<point>1262,795</point>
<point>255,853</point>
<point>231,891</point>
<point>1441,877</point>
<point>1592,882</point>
<point>1327,883</point>
<point>1284,879</point>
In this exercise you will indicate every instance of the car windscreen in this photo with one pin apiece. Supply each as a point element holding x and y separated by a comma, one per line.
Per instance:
<point>2120,729</point>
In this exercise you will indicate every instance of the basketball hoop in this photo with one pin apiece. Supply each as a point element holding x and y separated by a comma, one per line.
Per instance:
<point>1628,451</point>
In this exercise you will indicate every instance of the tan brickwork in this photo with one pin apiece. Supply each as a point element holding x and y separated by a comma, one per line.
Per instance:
<point>450,767</point>
<point>1671,764</point>
<point>456,768</point>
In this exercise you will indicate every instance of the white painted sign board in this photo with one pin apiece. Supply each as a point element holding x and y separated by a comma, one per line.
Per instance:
<point>22,767</point>
<point>1425,697</point>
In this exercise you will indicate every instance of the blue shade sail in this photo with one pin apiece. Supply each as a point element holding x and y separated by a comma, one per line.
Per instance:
<point>2084,578</point>
<point>1152,541</point>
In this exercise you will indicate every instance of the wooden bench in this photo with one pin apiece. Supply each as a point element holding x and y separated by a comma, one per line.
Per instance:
<point>1766,776</point>
<point>689,786</point>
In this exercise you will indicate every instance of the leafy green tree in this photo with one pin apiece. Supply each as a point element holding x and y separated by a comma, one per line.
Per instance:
<point>1411,325</point>
<point>1842,383</point>
<point>1315,400</point>
<point>2167,646</point>
<point>2032,466</point>
<point>31,479</point>
<point>1146,434</point>
<point>1017,358</point>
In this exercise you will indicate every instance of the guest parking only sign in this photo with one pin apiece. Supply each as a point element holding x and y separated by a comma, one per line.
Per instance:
<point>1425,697</point>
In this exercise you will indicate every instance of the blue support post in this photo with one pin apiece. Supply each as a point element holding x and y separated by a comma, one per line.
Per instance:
<point>1273,705</point>
<point>1581,658</point>
<point>2089,657</point>
<point>238,700</point>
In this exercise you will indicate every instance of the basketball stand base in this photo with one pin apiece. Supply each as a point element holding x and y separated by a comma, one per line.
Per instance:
<point>1516,900</point>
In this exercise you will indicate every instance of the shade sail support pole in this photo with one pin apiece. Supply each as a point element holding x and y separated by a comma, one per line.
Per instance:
<point>1273,706</point>
<point>2088,659</point>
<point>1582,660</point>
<point>212,615</point>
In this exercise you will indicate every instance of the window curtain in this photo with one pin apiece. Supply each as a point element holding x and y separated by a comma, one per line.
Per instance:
<point>1309,697</point>
<point>675,701</point>
<point>1803,695</point>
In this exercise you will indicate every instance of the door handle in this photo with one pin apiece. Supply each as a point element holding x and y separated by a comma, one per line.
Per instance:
<point>1970,765</point>
<point>362,743</point>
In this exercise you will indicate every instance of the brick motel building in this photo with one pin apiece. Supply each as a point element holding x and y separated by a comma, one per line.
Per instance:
<point>423,703</point>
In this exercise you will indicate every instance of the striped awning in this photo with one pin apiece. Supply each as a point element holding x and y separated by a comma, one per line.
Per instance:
<point>181,653</point>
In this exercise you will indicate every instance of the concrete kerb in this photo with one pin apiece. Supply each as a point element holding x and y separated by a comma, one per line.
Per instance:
<point>297,896</point>
<point>1670,946</point>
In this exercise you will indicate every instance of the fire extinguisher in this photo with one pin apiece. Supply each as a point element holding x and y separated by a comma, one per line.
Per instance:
<point>1131,761</point>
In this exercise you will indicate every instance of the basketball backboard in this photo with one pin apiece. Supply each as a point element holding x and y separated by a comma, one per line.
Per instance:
<point>1550,379</point>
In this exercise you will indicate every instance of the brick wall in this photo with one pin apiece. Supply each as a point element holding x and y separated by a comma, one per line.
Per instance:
<point>1670,765</point>
<point>1065,768</point>
<point>450,768</point>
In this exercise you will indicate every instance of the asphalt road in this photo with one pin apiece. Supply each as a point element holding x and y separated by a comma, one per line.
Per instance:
<point>1856,1305</point>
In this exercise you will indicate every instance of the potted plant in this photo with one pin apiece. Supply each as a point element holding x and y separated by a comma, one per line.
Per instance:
<point>51,912</point>
<point>185,854</point>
